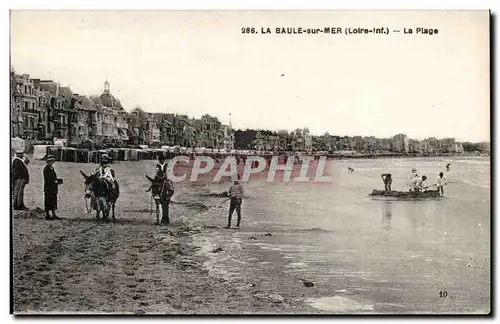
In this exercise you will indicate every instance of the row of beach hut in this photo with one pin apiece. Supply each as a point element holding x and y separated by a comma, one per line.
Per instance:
<point>70,154</point>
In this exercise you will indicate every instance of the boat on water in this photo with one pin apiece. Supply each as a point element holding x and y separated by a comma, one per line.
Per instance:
<point>406,194</point>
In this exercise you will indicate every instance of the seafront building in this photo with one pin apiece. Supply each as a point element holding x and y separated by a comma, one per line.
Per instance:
<point>43,110</point>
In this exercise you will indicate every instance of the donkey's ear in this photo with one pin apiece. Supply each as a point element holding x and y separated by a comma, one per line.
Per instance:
<point>84,175</point>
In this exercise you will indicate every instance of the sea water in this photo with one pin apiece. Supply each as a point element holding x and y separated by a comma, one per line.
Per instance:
<point>421,256</point>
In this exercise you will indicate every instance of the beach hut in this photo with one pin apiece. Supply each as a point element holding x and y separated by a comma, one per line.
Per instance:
<point>69,154</point>
<point>89,144</point>
<point>82,156</point>
<point>56,151</point>
<point>61,142</point>
<point>40,151</point>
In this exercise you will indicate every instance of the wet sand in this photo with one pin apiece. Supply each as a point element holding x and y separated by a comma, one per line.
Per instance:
<point>131,266</point>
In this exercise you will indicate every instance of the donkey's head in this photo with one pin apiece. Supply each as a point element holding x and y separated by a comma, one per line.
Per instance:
<point>94,184</point>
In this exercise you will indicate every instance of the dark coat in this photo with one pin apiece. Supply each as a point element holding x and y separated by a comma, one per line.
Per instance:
<point>163,169</point>
<point>50,187</point>
<point>20,170</point>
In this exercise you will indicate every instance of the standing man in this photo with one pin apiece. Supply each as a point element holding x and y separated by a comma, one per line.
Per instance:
<point>20,177</point>
<point>50,188</point>
<point>236,196</point>
<point>387,178</point>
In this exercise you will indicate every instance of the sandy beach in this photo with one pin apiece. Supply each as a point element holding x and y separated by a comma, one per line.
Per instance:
<point>361,255</point>
<point>77,265</point>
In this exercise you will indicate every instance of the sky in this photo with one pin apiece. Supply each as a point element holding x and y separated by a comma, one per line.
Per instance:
<point>197,62</point>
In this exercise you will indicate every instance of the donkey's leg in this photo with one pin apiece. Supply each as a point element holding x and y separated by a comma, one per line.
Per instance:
<point>164,206</point>
<point>113,209</point>
<point>158,211</point>
<point>105,211</point>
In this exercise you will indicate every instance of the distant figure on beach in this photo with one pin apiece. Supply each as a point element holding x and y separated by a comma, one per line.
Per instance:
<point>448,167</point>
<point>236,196</point>
<point>350,170</point>
<point>50,188</point>
<point>441,182</point>
<point>20,178</point>
<point>387,179</point>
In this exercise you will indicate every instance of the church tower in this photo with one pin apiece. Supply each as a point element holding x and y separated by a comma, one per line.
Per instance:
<point>106,86</point>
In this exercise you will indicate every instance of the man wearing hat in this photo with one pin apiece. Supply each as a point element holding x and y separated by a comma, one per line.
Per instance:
<point>162,165</point>
<point>236,196</point>
<point>160,175</point>
<point>160,179</point>
<point>20,177</point>
<point>104,171</point>
<point>50,188</point>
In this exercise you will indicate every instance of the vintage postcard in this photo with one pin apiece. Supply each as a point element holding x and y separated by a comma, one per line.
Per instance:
<point>250,162</point>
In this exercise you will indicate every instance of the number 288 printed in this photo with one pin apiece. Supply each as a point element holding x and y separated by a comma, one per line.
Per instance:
<point>248,30</point>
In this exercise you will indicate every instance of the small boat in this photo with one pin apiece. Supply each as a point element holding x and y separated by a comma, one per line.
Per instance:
<point>406,194</point>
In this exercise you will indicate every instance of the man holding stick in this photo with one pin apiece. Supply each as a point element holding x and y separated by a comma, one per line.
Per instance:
<point>236,196</point>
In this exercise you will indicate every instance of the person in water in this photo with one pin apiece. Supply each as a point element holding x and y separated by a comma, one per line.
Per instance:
<point>350,170</point>
<point>440,183</point>
<point>387,178</point>
<point>420,184</point>
<point>413,183</point>
<point>448,167</point>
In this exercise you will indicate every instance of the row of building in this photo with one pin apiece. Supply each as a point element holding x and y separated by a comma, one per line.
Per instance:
<point>302,140</point>
<point>43,110</point>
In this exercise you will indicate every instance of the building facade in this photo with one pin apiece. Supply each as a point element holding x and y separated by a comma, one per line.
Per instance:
<point>26,106</point>
<point>400,143</point>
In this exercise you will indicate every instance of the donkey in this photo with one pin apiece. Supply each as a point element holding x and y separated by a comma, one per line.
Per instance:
<point>103,198</point>
<point>161,191</point>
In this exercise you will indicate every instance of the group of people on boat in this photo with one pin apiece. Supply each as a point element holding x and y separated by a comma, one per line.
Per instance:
<point>418,184</point>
